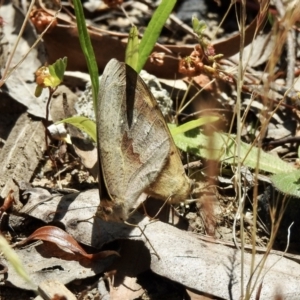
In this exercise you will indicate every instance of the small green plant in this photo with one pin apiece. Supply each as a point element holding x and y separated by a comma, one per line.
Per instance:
<point>51,76</point>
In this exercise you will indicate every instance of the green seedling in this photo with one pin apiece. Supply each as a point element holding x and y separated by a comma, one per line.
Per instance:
<point>51,76</point>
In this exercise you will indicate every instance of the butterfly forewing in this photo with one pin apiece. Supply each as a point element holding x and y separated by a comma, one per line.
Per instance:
<point>134,143</point>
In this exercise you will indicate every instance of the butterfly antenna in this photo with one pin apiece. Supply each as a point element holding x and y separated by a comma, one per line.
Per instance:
<point>143,233</point>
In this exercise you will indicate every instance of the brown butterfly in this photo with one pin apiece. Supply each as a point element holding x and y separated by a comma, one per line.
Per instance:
<point>136,151</point>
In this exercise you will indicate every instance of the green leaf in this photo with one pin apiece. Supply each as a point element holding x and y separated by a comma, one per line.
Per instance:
<point>57,71</point>
<point>132,49</point>
<point>38,91</point>
<point>198,26</point>
<point>193,124</point>
<point>222,147</point>
<point>153,30</point>
<point>60,67</point>
<point>288,183</point>
<point>52,71</point>
<point>83,124</point>
<point>87,49</point>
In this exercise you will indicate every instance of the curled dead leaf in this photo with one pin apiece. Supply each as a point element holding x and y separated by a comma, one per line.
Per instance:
<point>64,240</point>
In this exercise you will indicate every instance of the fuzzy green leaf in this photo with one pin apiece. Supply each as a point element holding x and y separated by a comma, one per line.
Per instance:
<point>288,183</point>
<point>222,147</point>
<point>60,67</point>
<point>193,124</point>
<point>198,26</point>
<point>83,124</point>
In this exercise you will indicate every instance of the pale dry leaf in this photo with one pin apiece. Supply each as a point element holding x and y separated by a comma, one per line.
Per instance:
<point>21,84</point>
<point>45,262</point>
<point>258,52</point>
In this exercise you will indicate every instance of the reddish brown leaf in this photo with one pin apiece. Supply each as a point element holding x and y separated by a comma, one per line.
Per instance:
<point>64,240</point>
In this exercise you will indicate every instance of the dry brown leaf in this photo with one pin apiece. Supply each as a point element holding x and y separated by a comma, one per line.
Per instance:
<point>64,240</point>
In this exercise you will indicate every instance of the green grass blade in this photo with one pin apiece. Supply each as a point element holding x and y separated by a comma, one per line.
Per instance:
<point>87,49</point>
<point>14,259</point>
<point>153,30</point>
<point>193,124</point>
